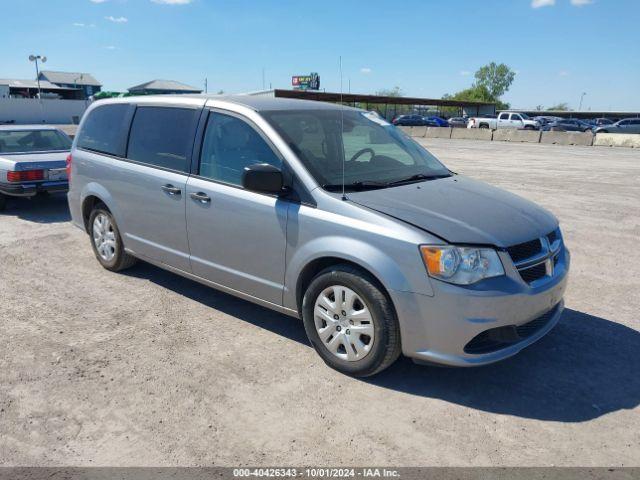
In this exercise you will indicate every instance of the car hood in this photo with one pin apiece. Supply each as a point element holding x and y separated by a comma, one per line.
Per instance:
<point>36,160</point>
<point>462,210</point>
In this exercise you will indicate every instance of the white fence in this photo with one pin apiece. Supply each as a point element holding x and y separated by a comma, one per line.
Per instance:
<point>32,110</point>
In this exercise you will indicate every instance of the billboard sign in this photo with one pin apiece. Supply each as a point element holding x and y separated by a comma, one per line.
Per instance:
<point>306,82</point>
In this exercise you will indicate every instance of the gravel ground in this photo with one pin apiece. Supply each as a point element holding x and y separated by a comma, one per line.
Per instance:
<point>146,368</point>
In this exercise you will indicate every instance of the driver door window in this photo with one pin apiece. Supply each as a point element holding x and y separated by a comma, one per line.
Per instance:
<point>231,144</point>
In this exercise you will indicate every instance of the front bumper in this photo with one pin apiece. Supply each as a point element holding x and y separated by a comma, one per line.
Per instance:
<point>31,189</point>
<point>436,329</point>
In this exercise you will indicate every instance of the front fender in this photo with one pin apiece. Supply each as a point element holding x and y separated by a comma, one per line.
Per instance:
<point>391,273</point>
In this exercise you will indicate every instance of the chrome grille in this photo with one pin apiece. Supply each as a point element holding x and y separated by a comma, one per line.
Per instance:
<point>537,259</point>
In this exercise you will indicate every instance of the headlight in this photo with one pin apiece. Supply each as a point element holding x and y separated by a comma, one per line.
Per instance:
<point>461,265</point>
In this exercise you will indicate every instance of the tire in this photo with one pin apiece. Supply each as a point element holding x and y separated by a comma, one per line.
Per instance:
<point>483,125</point>
<point>116,259</point>
<point>3,202</point>
<point>383,347</point>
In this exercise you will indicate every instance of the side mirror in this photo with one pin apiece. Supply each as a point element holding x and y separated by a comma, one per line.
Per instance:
<point>263,177</point>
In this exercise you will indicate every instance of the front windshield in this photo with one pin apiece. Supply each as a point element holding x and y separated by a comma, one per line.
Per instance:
<point>23,141</point>
<point>375,152</point>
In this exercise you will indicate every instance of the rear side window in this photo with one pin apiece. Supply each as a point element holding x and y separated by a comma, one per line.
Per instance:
<point>102,131</point>
<point>17,141</point>
<point>162,137</point>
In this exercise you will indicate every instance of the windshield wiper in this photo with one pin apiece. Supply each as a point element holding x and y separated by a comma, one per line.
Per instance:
<point>418,177</point>
<point>358,185</point>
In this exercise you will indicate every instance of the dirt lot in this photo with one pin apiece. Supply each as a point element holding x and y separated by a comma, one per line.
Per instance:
<point>146,368</point>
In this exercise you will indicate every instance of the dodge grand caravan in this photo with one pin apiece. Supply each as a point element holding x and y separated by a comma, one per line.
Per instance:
<point>321,212</point>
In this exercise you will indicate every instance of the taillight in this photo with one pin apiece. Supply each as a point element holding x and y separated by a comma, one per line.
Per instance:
<point>69,160</point>
<point>25,176</point>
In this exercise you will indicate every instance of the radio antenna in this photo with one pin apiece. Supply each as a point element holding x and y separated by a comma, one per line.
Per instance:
<point>344,196</point>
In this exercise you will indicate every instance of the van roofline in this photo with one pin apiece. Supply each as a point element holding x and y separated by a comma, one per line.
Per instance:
<point>256,103</point>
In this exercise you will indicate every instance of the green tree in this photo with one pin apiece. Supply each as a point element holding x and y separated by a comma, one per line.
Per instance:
<point>393,92</point>
<point>496,78</point>
<point>492,81</point>
<point>560,107</point>
<point>476,93</point>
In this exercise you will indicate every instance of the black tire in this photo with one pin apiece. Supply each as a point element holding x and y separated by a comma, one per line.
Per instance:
<point>3,202</point>
<point>386,346</point>
<point>121,260</point>
<point>483,125</point>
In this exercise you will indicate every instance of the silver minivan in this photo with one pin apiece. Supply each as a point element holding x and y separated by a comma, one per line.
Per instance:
<point>325,213</point>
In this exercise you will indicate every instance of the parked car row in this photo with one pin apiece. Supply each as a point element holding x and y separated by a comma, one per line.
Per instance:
<point>415,120</point>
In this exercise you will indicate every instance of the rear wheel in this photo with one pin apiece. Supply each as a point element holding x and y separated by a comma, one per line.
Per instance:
<point>350,321</point>
<point>106,241</point>
<point>483,125</point>
<point>3,202</point>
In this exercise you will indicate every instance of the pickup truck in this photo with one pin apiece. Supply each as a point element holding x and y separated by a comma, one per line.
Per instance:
<point>32,161</point>
<point>516,120</point>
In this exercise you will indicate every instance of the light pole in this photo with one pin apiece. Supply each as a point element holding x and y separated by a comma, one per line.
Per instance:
<point>581,97</point>
<point>35,58</point>
<point>75,82</point>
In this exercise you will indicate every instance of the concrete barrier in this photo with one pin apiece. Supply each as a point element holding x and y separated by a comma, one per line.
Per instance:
<point>414,131</point>
<point>617,140</point>
<point>418,131</point>
<point>68,129</point>
<point>567,138</point>
<point>438,132</point>
<point>513,135</point>
<point>472,133</point>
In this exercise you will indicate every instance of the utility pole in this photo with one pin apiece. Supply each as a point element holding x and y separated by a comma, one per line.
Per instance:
<point>206,86</point>
<point>263,84</point>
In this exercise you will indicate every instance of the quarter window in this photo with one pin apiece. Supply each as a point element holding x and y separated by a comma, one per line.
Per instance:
<point>230,145</point>
<point>103,129</point>
<point>162,137</point>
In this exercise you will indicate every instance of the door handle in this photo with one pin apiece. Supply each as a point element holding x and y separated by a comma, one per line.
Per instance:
<point>201,197</point>
<point>170,189</point>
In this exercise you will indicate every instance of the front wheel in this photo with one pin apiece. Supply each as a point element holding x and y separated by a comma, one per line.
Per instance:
<point>351,322</point>
<point>106,241</point>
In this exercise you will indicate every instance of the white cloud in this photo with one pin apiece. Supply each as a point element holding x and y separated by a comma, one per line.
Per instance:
<point>563,73</point>
<point>542,3</point>
<point>173,2</point>
<point>365,70</point>
<point>78,24</point>
<point>465,73</point>
<point>110,47</point>
<point>97,1</point>
<point>113,19</point>
<point>82,25</point>
<point>580,3</point>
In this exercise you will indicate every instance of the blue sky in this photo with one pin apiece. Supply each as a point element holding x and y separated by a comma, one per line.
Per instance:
<point>559,48</point>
